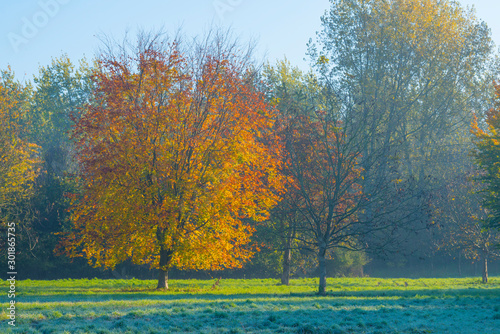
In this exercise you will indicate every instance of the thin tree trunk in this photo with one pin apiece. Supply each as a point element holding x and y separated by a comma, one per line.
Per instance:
<point>460,263</point>
<point>322,270</point>
<point>165,258</point>
<point>485,267</point>
<point>287,257</point>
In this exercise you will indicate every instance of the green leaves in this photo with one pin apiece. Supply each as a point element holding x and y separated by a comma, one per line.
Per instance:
<point>487,155</point>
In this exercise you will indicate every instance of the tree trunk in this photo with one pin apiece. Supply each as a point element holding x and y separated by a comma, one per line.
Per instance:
<point>485,267</point>
<point>322,270</point>
<point>165,258</point>
<point>287,257</point>
<point>460,263</point>
<point>162,279</point>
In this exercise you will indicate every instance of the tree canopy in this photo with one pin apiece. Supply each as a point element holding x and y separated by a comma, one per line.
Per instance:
<point>18,157</point>
<point>176,153</point>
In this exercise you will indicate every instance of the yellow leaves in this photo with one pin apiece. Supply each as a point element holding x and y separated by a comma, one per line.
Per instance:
<point>429,27</point>
<point>184,154</point>
<point>18,158</point>
<point>323,60</point>
<point>492,121</point>
<point>275,101</point>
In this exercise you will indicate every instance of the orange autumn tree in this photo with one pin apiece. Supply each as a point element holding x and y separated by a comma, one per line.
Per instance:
<point>176,155</point>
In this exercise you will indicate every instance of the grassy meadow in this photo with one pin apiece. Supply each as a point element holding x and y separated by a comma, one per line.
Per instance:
<point>353,305</point>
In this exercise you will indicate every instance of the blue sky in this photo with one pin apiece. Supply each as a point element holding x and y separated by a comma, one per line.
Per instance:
<point>34,31</point>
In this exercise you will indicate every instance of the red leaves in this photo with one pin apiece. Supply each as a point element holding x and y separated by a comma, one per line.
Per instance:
<point>179,145</point>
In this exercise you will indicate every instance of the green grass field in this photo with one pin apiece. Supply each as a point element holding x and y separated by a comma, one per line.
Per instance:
<point>353,305</point>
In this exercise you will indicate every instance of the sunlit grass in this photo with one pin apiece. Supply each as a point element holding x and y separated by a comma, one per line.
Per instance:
<point>353,305</point>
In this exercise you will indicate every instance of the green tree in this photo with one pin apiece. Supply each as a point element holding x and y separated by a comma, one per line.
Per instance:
<point>487,153</point>
<point>60,89</point>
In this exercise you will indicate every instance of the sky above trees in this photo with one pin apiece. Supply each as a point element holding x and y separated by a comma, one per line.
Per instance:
<point>32,32</point>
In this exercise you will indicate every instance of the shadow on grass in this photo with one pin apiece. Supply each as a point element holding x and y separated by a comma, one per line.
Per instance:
<point>151,294</point>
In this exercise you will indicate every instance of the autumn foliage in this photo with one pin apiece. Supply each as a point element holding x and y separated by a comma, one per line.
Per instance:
<point>18,157</point>
<point>176,153</point>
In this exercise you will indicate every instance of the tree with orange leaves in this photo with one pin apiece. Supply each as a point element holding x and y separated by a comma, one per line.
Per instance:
<point>176,152</point>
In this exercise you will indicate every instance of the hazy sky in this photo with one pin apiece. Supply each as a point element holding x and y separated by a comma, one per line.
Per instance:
<point>34,31</point>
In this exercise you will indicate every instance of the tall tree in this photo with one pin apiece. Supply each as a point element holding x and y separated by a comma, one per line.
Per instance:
<point>405,75</point>
<point>323,198</point>
<point>407,72</point>
<point>176,153</point>
<point>323,193</point>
